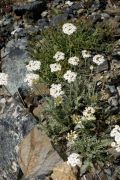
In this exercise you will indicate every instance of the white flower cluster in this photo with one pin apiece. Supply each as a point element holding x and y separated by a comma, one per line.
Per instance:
<point>98,59</point>
<point>33,65</point>
<point>116,134</point>
<point>69,3</point>
<point>55,67</point>
<point>56,90</point>
<point>86,54</point>
<point>59,56</point>
<point>88,113</point>
<point>74,160</point>
<point>3,79</point>
<point>69,28</point>
<point>70,76</point>
<point>31,78</point>
<point>73,60</point>
<point>72,136</point>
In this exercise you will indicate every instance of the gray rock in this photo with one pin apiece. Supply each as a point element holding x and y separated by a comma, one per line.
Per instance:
<point>115,64</point>
<point>15,123</point>
<point>2,105</point>
<point>69,12</point>
<point>57,2</point>
<point>103,67</point>
<point>105,16</point>
<point>59,19</point>
<point>112,89</point>
<point>14,59</point>
<point>33,9</point>
<point>95,5</point>
<point>118,89</point>
<point>95,17</point>
<point>43,23</point>
<point>113,101</point>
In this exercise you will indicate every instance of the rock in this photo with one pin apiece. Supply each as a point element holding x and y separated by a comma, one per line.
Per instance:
<point>95,6</point>
<point>36,155</point>
<point>38,111</point>
<point>113,101</point>
<point>14,58</point>
<point>59,19</point>
<point>43,23</point>
<point>87,3</point>
<point>4,92</point>
<point>116,55</point>
<point>64,172</point>
<point>57,2</point>
<point>81,11</point>
<point>112,89</point>
<point>44,14</point>
<point>103,67</point>
<point>23,91</point>
<point>34,9</point>
<point>115,65</point>
<point>2,105</point>
<point>118,89</point>
<point>95,17</point>
<point>6,27</point>
<point>76,6</point>
<point>41,89</point>
<point>15,123</point>
<point>72,11</point>
<point>103,4</point>
<point>105,95</point>
<point>68,12</point>
<point>105,16</point>
<point>32,30</point>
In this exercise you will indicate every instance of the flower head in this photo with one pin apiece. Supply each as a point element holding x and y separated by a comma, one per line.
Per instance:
<point>86,54</point>
<point>33,65</point>
<point>72,136</point>
<point>59,56</point>
<point>113,144</point>
<point>69,3</point>
<point>88,111</point>
<point>98,59</point>
<point>55,67</point>
<point>117,137</point>
<point>73,60</point>
<point>91,68</point>
<point>115,130</point>
<point>76,118</point>
<point>116,134</point>
<point>69,28</point>
<point>70,76</point>
<point>56,90</point>
<point>31,78</point>
<point>3,79</point>
<point>74,160</point>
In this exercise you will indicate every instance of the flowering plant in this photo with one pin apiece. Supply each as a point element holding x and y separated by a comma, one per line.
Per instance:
<point>74,111</point>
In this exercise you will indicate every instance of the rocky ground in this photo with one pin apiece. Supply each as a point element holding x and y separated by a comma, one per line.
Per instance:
<point>18,120</point>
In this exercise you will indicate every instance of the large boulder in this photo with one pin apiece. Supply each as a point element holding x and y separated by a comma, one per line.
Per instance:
<point>32,8</point>
<point>15,124</point>
<point>37,157</point>
<point>14,58</point>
